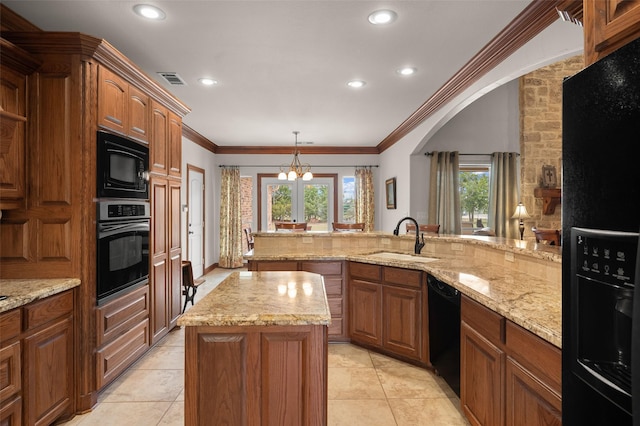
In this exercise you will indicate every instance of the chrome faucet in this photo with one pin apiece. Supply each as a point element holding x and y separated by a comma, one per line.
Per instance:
<point>419,244</point>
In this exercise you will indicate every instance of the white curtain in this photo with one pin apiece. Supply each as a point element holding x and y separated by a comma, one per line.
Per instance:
<point>230,219</point>
<point>365,198</point>
<point>444,192</point>
<point>504,194</point>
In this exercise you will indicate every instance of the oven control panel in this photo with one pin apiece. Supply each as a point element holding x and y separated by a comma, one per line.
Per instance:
<point>113,210</point>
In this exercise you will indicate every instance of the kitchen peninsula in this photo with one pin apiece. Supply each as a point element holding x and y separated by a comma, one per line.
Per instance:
<point>256,351</point>
<point>510,308</point>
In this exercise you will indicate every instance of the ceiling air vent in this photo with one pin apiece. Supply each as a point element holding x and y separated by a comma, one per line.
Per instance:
<point>173,78</point>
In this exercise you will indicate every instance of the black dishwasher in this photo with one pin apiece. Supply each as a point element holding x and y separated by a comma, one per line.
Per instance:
<point>444,331</point>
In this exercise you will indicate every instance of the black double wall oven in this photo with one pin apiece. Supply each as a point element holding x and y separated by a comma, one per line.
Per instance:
<point>123,216</point>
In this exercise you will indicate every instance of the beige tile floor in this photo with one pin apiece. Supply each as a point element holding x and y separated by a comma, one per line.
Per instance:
<point>365,388</point>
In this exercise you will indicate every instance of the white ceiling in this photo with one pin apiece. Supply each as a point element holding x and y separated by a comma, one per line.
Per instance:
<point>283,65</point>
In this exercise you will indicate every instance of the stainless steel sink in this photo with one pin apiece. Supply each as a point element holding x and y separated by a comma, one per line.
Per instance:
<point>402,257</point>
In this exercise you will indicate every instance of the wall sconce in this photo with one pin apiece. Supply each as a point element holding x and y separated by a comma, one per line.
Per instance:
<point>520,214</point>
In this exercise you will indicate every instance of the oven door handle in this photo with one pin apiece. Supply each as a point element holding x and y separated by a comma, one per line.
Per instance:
<point>113,229</point>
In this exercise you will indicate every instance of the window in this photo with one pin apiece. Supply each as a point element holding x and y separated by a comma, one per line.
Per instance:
<point>313,202</point>
<point>474,196</point>
<point>348,199</point>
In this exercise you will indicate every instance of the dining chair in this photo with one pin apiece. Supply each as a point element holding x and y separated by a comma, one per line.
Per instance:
<point>293,226</point>
<point>548,236</point>
<point>426,229</point>
<point>342,226</point>
<point>189,284</point>
<point>249,237</point>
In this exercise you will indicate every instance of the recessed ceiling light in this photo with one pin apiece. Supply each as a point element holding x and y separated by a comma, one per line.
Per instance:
<point>356,84</point>
<point>382,17</point>
<point>407,71</point>
<point>207,81</point>
<point>148,11</point>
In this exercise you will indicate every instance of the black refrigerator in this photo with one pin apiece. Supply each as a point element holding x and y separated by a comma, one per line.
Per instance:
<point>600,226</point>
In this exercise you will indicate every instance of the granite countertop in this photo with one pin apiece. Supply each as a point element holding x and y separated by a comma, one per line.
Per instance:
<point>531,302</point>
<point>262,298</point>
<point>23,291</point>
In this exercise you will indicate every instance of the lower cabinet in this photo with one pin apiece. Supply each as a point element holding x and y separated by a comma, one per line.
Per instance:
<point>387,310</point>
<point>256,375</point>
<point>123,334</point>
<point>36,362</point>
<point>508,376</point>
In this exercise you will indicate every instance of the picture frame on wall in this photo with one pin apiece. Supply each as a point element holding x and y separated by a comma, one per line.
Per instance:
<point>390,185</point>
<point>549,177</point>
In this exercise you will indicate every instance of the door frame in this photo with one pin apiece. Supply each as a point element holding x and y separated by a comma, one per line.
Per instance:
<point>190,168</point>
<point>333,176</point>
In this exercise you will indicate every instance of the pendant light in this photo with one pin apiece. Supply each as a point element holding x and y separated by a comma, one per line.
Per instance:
<point>296,169</point>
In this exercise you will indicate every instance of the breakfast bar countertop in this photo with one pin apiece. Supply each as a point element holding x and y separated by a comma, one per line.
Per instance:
<point>262,298</point>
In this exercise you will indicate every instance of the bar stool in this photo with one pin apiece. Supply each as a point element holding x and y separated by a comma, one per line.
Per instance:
<point>189,285</point>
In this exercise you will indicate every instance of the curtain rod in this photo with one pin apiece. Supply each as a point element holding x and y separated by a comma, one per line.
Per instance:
<point>286,165</point>
<point>431,153</point>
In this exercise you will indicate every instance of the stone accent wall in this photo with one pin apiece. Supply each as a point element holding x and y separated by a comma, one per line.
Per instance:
<point>541,135</point>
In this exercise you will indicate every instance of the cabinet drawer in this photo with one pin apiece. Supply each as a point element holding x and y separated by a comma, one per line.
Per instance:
<point>10,376</point>
<point>333,286</point>
<point>10,325</point>
<point>118,316</point>
<point>335,307</point>
<point>365,271</point>
<point>488,323</point>
<point>11,412</point>
<point>49,309</point>
<point>323,268</point>
<point>114,358</point>
<point>402,276</point>
<point>535,353</point>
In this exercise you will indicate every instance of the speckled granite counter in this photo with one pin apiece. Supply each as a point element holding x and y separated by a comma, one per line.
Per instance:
<point>23,291</point>
<point>519,280</point>
<point>262,298</point>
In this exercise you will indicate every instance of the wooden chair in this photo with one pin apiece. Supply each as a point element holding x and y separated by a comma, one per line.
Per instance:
<point>189,285</point>
<point>548,236</point>
<point>293,226</point>
<point>249,237</point>
<point>426,229</point>
<point>341,226</point>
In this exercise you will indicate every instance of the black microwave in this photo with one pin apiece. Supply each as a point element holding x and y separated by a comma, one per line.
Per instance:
<point>123,167</point>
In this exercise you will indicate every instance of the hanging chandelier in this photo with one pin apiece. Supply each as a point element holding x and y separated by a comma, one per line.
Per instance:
<point>296,169</point>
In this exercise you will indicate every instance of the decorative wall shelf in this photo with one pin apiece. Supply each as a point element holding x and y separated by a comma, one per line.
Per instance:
<point>551,197</point>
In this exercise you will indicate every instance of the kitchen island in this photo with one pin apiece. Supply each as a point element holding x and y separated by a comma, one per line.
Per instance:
<point>256,351</point>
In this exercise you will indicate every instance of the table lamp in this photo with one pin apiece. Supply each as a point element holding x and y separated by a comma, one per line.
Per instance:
<point>520,214</point>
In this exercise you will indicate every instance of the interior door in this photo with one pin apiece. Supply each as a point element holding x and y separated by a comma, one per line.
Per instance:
<point>195,224</point>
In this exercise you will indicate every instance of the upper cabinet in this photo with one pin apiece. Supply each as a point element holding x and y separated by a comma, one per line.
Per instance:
<point>122,107</point>
<point>15,67</point>
<point>166,146</point>
<point>609,25</point>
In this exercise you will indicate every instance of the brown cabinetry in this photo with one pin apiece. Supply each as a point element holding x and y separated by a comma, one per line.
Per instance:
<point>482,359</point>
<point>122,107</point>
<point>123,334</point>
<point>166,256</point>
<point>166,149</point>
<point>508,375</point>
<point>332,272</point>
<point>609,25</point>
<point>15,67</point>
<point>36,362</point>
<point>388,310</point>
<point>271,375</point>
